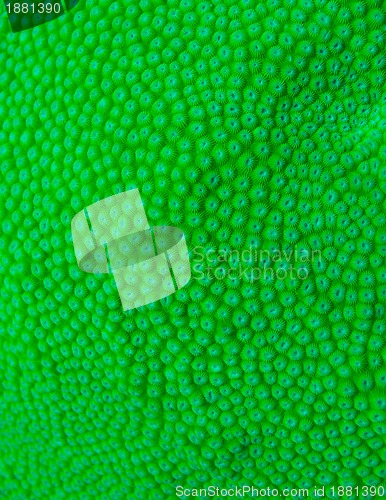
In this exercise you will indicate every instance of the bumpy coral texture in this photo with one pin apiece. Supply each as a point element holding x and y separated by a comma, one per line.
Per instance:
<point>246,124</point>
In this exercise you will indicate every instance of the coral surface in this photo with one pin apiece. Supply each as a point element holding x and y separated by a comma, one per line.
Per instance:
<point>258,128</point>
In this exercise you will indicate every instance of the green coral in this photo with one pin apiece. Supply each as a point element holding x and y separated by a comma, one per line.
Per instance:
<point>247,125</point>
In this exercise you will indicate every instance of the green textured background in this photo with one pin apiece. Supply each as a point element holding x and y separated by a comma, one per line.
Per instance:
<point>242,123</point>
